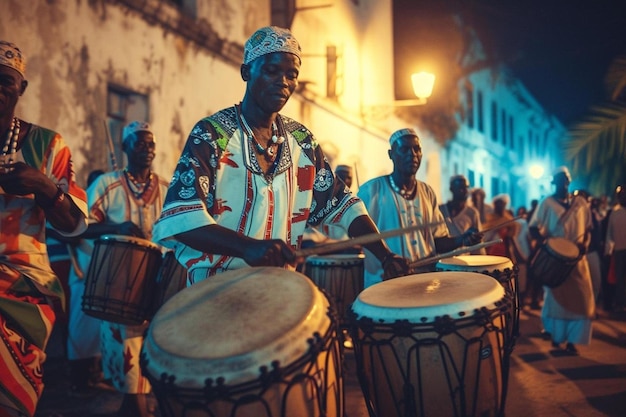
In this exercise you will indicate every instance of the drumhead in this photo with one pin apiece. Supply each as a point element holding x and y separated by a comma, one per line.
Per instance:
<point>339,259</point>
<point>563,247</point>
<point>420,298</point>
<point>475,263</point>
<point>130,239</point>
<point>232,324</point>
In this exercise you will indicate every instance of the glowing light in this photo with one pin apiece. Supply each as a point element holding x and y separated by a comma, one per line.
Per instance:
<point>536,171</point>
<point>423,83</point>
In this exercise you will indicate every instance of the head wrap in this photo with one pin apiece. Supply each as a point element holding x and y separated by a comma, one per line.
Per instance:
<point>133,127</point>
<point>343,168</point>
<point>458,178</point>
<point>504,197</point>
<point>562,170</point>
<point>270,39</point>
<point>395,136</point>
<point>11,56</point>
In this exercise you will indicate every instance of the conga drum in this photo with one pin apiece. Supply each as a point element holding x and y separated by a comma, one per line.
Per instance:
<point>554,261</point>
<point>341,276</point>
<point>499,267</point>
<point>256,342</point>
<point>119,284</point>
<point>432,345</point>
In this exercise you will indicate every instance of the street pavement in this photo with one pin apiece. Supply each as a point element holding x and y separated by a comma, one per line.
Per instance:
<point>543,381</point>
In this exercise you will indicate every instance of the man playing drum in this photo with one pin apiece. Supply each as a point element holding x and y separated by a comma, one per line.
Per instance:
<point>123,202</point>
<point>250,179</point>
<point>399,200</point>
<point>460,216</point>
<point>568,308</point>
<point>37,185</point>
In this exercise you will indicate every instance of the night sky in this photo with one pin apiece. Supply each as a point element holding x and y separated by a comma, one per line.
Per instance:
<point>561,50</point>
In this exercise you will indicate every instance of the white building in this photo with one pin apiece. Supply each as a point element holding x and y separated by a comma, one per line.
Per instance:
<point>174,62</point>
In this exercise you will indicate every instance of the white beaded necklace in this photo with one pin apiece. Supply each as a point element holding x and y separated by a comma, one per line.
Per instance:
<point>10,144</point>
<point>270,151</point>
<point>406,194</point>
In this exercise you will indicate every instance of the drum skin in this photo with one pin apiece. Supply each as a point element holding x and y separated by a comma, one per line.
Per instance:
<point>119,283</point>
<point>432,344</point>
<point>249,342</point>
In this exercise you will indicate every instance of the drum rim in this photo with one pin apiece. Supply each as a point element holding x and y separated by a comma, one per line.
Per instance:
<point>129,239</point>
<point>494,294</point>
<point>505,263</point>
<point>559,255</point>
<point>244,366</point>
<point>341,259</point>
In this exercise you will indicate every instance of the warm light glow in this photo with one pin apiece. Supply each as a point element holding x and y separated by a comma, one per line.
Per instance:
<point>536,171</point>
<point>423,83</point>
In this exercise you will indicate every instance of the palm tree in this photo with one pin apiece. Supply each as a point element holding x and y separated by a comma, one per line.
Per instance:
<point>596,147</point>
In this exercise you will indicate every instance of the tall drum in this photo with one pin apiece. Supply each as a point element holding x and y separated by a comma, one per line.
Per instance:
<point>256,342</point>
<point>499,267</point>
<point>119,284</point>
<point>341,276</point>
<point>432,345</point>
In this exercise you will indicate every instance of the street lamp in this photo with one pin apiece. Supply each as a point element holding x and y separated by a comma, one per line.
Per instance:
<point>423,83</point>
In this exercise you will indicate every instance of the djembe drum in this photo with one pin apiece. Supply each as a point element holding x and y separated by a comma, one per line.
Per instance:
<point>119,284</point>
<point>341,276</point>
<point>432,345</point>
<point>554,261</point>
<point>256,342</point>
<point>499,267</point>
<point>171,279</point>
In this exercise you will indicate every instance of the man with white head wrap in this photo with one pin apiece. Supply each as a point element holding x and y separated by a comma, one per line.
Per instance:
<point>123,202</point>
<point>250,179</point>
<point>400,200</point>
<point>568,308</point>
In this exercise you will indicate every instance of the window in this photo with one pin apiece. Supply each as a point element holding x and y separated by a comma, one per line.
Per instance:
<point>470,177</point>
<point>494,121</point>
<point>511,133</point>
<point>469,96</point>
<point>504,124</point>
<point>481,119</point>
<point>495,186</point>
<point>123,106</point>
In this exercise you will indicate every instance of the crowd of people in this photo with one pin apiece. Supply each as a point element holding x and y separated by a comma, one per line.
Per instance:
<point>285,187</point>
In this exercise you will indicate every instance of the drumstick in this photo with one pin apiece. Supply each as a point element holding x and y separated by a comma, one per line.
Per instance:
<point>459,251</point>
<point>489,229</point>
<point>361,240</point>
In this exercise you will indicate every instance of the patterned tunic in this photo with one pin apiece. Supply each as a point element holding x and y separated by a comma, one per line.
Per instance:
<point>218,181</point>
<point>26,317</point>
<point>391,211</point>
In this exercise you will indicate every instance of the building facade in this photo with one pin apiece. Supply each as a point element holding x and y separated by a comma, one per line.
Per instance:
<point>92,66</point>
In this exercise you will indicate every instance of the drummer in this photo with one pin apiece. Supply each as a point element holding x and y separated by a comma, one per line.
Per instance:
<point>400,200</point>
<point>250,179</point>
<point>123,202</point>
<point>569,308</point>
<point>37,187</point>
<point>460,216</point>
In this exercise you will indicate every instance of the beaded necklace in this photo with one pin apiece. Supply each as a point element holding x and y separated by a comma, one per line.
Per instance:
<point>136,187</point>
<point>10,144</point>
<point>406,194</point>
<point>271,150</point>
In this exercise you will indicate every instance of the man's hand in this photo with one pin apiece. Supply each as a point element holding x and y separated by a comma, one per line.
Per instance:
<point>472,237</point>
<point>273,252</point>
<point>394,266</point>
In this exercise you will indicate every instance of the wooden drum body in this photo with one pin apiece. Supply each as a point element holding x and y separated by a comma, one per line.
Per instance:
<point>554,261</point>
<point>170,280</point>
<point>256,342</point>
<point>340,276</point>
<point>432,345</point>
<point>119,284</point>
